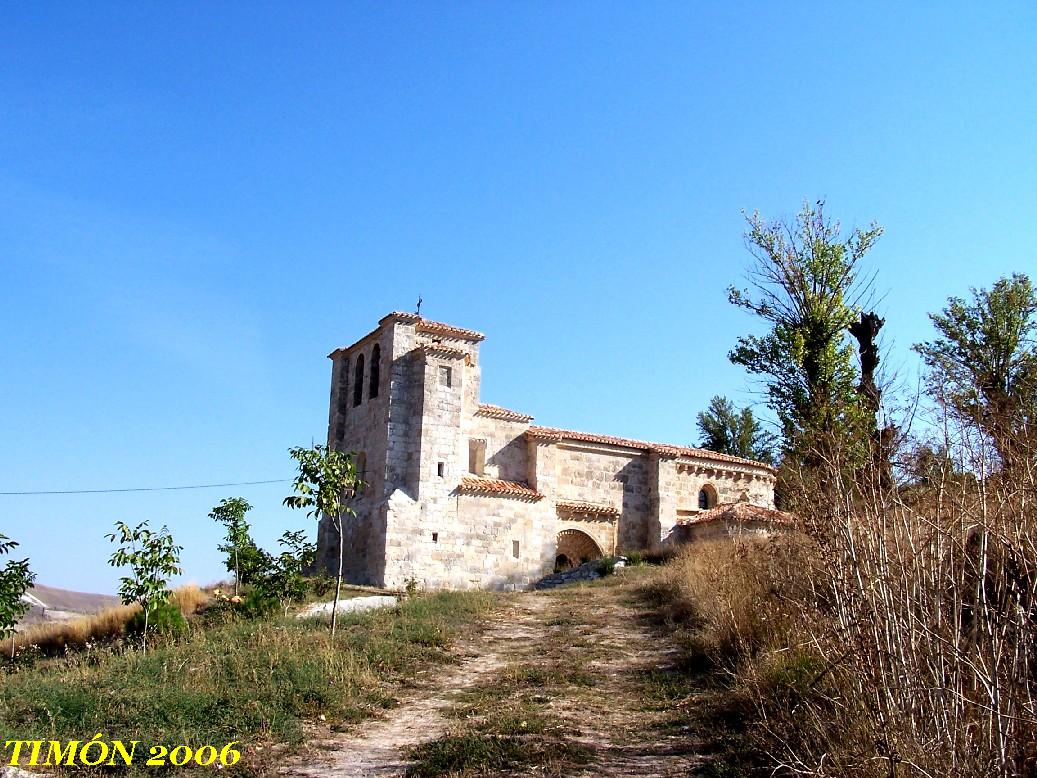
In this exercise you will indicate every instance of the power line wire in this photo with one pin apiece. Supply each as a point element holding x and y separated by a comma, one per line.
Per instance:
<point>147,488</point>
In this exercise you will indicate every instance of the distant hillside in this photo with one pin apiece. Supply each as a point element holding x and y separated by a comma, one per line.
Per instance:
<point>46,603</point>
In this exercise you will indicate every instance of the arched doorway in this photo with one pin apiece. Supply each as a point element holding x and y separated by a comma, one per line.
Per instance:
<point>574,548</point>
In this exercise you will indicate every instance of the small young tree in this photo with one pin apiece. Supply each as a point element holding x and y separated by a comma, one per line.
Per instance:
<point>15,580</point>
<point>244,558</point>
<point>283,578</point>
<point>151,557</point>
<point>327,480</point>
<point>726,429</point>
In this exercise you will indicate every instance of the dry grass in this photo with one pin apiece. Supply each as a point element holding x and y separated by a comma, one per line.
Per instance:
<point>53,638</point>
<point>898,640</point>
<point>735,595</point>
<point>190,599</point>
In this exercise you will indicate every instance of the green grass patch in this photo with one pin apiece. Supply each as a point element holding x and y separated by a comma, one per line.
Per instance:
<point>254,682</point>
<point>471,752</point>
<point>505,724</point>
<point>479,753</point>
<point>666,686</point>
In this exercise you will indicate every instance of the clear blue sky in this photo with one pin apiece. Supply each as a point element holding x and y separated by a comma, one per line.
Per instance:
<point>199,201</point>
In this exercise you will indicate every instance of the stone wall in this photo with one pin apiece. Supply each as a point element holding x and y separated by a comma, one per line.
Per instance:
<point>614,477</point>
<point>713,530</point>
<point>731,483</point>
<point>362,430</point>
<point>507,453</point>
<point>471,544</point>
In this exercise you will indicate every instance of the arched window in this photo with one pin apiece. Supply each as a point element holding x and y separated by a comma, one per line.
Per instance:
<point>376,365</point>
<point>358,381</point>
<point>707,498</point>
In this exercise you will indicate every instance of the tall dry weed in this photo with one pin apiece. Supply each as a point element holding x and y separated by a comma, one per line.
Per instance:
<point>738,595</point>
<point>109,624</point>
<point>929,630</point>
<point>891,637</point>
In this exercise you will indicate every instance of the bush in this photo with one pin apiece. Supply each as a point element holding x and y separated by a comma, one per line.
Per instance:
<point>164,619</point>
<point>606,566</point>
<point>257,604</point>
<point>322,583</point>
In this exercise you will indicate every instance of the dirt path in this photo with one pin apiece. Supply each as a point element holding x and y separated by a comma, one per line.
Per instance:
<point>571,681</point>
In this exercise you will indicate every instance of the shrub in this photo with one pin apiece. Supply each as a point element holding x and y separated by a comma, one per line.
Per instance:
<point>257,604</point>
<point>606,566</point>
<point>164,619</point>
<point>322,583</point>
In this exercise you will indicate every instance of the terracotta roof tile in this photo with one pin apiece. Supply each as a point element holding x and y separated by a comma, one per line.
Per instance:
<point>497,487</point>
<point>664,449</point>
<point>740,511</point>
<point>448,330</point>
<point>505,414</point>
<point>443,351</point>
<point>401,316</point>
<point>424,325</point>
<point>586,508</point>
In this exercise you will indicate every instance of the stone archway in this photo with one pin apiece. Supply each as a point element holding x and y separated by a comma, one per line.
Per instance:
<point>574,548</point>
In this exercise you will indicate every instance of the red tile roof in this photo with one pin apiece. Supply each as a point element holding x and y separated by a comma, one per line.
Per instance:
<point>587,508</point>
<point>423,325</point>
<point>448,330</point>
<point>663,449</point>
<point>444,351</point>
<point>739,511</point>
<point>496,412</point>
<point>497,487</point>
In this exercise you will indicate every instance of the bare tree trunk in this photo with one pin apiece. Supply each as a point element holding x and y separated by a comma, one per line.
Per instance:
<point>337,522</point>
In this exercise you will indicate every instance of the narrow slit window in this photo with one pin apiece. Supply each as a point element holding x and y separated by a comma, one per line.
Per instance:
<point>441,469</point>
<point>375,370</point>
<point>435,537</point>
<point>358,381</point>
<point>445,376</point>
<point>515,549</point>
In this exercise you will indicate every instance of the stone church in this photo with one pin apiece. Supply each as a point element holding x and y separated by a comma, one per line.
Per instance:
<point>462,494</point>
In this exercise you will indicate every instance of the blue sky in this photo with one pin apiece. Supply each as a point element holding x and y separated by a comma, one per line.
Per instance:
<point>199,201</point>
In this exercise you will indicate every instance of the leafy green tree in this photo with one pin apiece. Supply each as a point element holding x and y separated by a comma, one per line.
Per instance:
<point>807,289</point>
<point>327,480</point>
<point>15,580</point>
<point>152,557</point>
<point>244,558</point>
<point>725,429</point>
<point>983,364</point>
<point>283,578</point>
